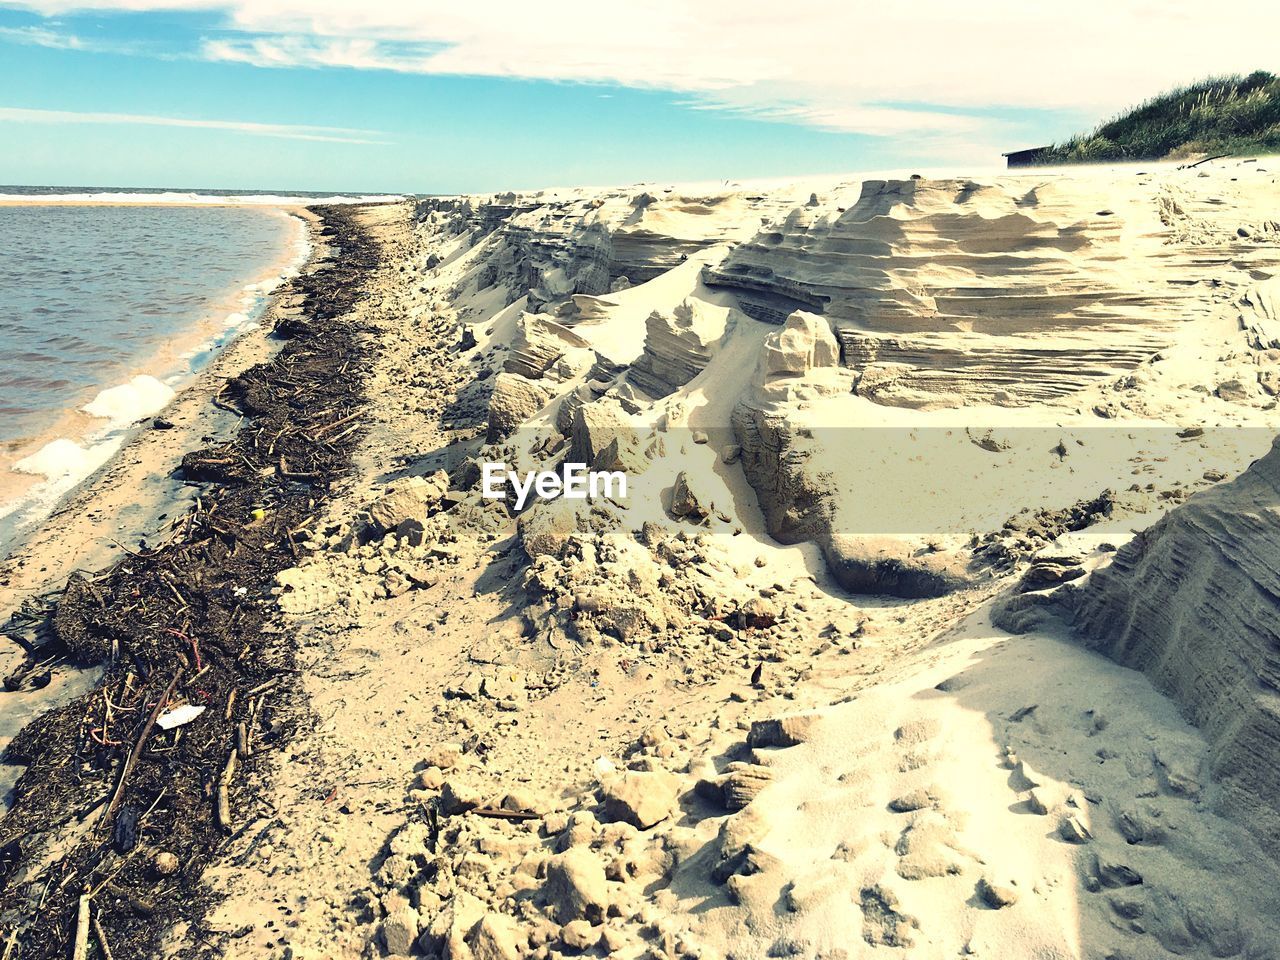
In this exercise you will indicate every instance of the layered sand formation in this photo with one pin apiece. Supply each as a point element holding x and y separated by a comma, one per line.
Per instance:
<point>690,722</point>
<point>845,673</point>
<point>1040,303</point>
<point>1192,603</point>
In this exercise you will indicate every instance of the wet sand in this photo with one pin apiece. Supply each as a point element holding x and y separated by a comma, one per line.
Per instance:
<point>172,363</point>
<point>122,501</point>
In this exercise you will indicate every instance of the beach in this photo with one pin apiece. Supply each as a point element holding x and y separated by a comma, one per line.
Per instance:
<point>115,509</point>
<point>136,478</point>
<point>94,349</point>
<point>137,492</point>
<point>898,643</point>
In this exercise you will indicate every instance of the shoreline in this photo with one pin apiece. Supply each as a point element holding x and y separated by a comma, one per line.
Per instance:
<point>86,442</point>
<point>193,200</point>
<point>126,497</point>
<point>117,613</point>
<point>142,462</point>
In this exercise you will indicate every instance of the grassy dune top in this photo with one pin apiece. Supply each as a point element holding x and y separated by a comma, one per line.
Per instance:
<point>1220,115</point>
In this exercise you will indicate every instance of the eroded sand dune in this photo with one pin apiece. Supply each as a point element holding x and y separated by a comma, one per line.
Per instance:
<point>758,706</point>
<point>1194,603</point>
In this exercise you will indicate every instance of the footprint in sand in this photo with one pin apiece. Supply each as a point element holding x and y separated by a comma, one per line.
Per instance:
<point>915,742</point>
<point>929,847</point>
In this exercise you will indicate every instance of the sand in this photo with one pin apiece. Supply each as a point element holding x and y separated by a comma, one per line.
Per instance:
<point>41,470</point>
<point>759,707</point>
<point>116,509</point>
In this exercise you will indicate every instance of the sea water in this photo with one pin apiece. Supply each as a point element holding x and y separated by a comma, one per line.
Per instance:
<point>105,309</point>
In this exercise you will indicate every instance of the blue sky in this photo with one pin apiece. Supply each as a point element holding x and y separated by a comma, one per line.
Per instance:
<point>387,95</point>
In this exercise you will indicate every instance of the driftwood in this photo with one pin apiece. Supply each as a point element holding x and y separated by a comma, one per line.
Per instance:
<point>224,793</point>
<point>102,940</point>
<point>80,946</point>
<point>130,760</point>
<point>497,813</point>
<point>1190,166</point>
<point>264,687</point>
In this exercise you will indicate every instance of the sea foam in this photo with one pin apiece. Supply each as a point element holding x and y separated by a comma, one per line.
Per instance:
<point>64,462</point>
<point>143,396</point>
<point>58,458</point>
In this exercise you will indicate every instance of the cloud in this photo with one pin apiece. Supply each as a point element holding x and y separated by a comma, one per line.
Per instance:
<point>356,53</point>
<point>277,130</point>
<point>55,40</point>
<point>41,37</point>
<point>931,66</point>
<point>831,114</point>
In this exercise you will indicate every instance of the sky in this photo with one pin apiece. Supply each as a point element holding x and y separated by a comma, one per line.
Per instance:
<point>425,96</point>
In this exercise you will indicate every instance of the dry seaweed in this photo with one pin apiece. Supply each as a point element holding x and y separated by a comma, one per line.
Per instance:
<point>189,621</point>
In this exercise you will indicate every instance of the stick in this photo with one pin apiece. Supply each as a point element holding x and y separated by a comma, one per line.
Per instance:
<point>290,474</point>
<point>102,940</point>
<point>181,600</point>
<point>264,687</point>
<point>224,807</point>
<point>132,553</point>
<point>497,814</point>
<point>350,429</point>
<point>137,748</point>
<point>81,946</point>
<point>254,706</point>
<point>337,423</point>
<point>114,873</point>
<point>224,795</point>
<point>1220,156</point>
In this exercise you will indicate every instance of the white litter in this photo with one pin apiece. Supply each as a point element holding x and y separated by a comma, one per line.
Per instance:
<point>178,716</point>
<point>603,767</point>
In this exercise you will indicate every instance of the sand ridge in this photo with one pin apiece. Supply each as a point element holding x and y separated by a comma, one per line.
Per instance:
<point>568,732</point>
<point>759,707</point>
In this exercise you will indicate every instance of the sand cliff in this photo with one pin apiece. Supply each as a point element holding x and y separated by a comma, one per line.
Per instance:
<point>695,721</point>
<point>1194,603</point>
<point>845,673</point>
<point>1036,304</point>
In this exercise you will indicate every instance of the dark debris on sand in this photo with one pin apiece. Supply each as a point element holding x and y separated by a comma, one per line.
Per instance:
<point>111,805</point>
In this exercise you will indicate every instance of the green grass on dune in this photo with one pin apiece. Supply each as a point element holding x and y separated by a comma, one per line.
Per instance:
<point>1221,115</point>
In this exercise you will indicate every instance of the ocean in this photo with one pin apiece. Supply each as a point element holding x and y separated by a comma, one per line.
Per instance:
<point>105,310</point>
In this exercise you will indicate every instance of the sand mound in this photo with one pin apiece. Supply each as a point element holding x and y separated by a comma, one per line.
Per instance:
<point>664,724</point>
<point>973,803</point>
<point>1194,603</point>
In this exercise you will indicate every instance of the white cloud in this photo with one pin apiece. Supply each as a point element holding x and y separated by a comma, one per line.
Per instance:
<point>40,37</point>
<point>58,40</point>
<point>842,64</point>
<point>356,53</point>
<point>277,130</point>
